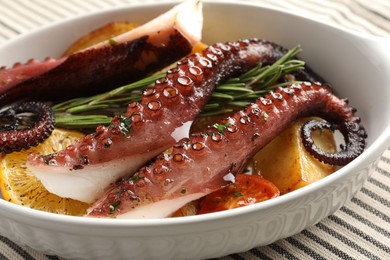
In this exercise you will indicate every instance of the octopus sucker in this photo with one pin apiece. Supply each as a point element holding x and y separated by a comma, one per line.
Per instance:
<point>14,139</point>
<point>208,161</point>
<point>121,60</point>
<point>162,118</point>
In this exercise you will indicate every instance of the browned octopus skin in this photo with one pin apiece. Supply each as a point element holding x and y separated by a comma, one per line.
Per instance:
<point>95,70</point>
<point>199,165</point>
<point>13,139</point>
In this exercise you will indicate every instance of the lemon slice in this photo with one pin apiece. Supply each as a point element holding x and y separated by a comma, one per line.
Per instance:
<point>18,185</point>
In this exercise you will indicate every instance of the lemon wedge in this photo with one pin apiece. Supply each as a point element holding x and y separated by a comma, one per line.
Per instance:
<point>18,185</point>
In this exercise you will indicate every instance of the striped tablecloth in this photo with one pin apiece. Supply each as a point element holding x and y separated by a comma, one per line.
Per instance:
<point>359,230</point>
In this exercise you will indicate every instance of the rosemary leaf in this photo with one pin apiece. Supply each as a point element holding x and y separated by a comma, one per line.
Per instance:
<point>133,86</point>
<point>209,106</point>
<point>217,112</point>
<point>237,87</point>
<point>220,95</point>
<point>80,122</point>
<point>85,108</point>
<point>276,73</point>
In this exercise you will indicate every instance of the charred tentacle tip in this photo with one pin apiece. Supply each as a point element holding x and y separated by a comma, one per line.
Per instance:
<point>13,139</point>
<point>354,136</point>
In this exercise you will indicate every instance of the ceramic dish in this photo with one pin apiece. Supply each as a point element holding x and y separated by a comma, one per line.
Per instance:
<point>356,65</point>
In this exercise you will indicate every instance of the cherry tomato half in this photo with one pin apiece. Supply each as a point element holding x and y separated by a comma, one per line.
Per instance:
<point>247,190</point>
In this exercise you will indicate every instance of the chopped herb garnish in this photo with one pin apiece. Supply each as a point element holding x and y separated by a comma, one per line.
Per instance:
<point>78,167</point>
<point>232,165</point>
<point>183,191</point>
<point>135,177</point>
<point>125,125</point>
<point>112,42</point>
<point>85,159</point>
<point>221,127</point>
<point>237,194</point>
<point>120,192</point>
<point>5,81</point>
<point>47,159</point>
<point>113,206</point>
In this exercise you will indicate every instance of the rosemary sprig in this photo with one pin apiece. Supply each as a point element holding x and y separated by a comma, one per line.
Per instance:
<point>234,93</point>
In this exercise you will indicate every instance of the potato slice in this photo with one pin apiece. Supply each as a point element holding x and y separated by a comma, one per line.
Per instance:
<point>189,209</point>
<point>286,163</point>
<point>101,34</point>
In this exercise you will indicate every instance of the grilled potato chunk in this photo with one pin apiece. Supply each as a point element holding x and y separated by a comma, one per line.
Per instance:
<point>286,163</point>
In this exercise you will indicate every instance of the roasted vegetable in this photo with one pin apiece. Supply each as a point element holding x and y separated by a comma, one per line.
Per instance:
<point>287,164</point>
<point>247,190</point>
<point>101,34</point>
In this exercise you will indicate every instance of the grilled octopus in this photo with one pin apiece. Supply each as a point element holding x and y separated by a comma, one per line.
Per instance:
<point>164,116</point>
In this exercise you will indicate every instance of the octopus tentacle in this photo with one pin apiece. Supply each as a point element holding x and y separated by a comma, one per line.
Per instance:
<point>19,72</point>
<point>123,59</point>
<point>354,136</point>
<point>163,117</point>
<point>207,161</point>
<point>13,139</point>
